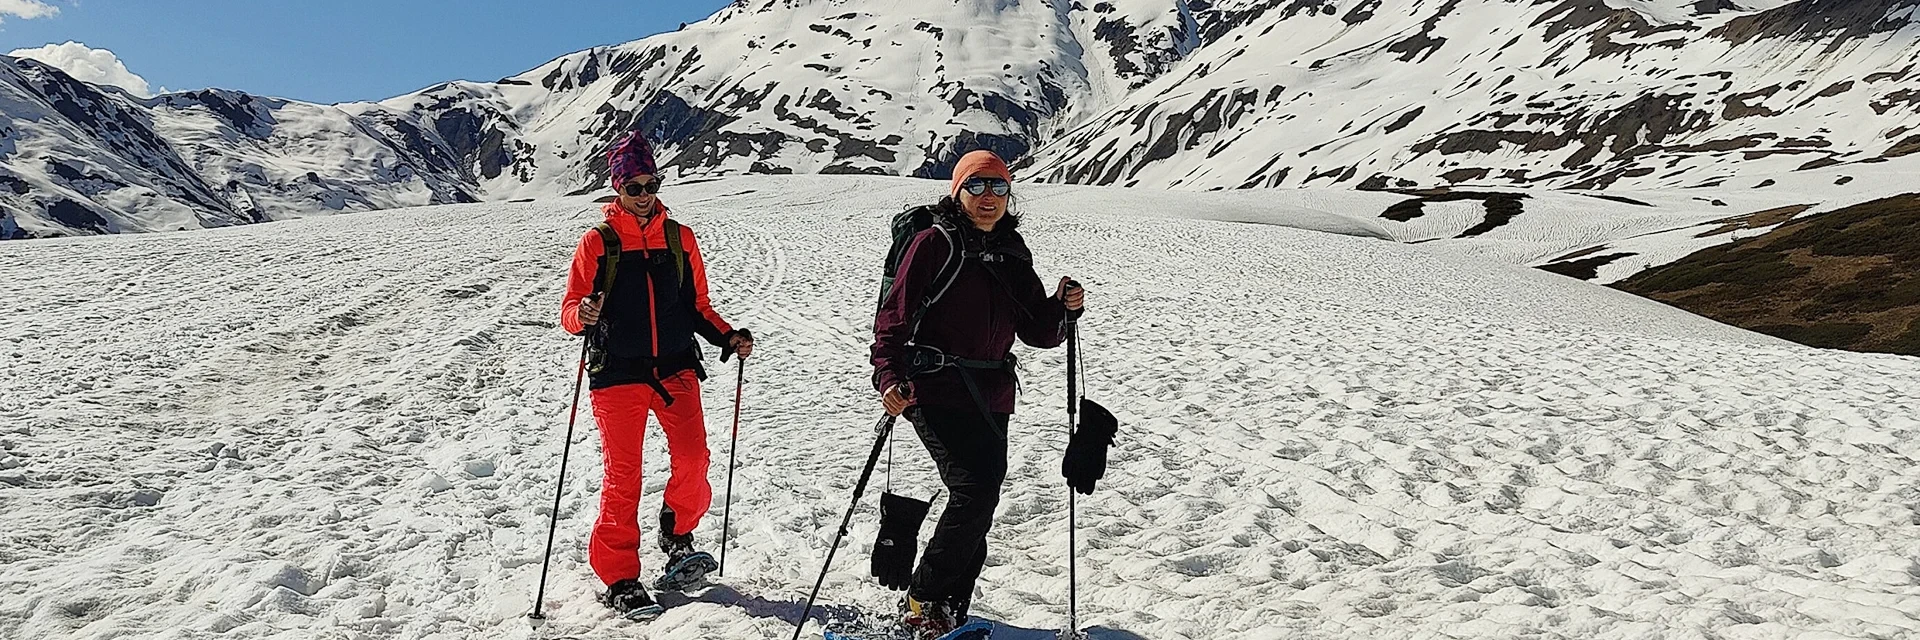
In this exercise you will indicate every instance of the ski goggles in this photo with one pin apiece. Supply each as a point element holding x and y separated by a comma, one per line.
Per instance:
<point>977,186</point>
<point>637,189</point>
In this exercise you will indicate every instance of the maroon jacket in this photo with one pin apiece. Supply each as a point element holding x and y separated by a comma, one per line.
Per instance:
<point>977,318</point>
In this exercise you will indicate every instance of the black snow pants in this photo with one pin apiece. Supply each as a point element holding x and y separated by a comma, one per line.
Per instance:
<point>971,455</point>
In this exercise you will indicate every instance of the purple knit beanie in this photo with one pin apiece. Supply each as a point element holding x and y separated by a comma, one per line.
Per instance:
<point>631,156</point>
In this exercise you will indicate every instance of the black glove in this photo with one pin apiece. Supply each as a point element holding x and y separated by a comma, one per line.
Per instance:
<point>900,519</point>
<point>727,351</point>
<point>1086,460</point>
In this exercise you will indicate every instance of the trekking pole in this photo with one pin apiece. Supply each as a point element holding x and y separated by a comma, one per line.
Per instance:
<point>1073,546</point>
<point>884,428</point>
<point>726,513</point>
<point>560,488</point>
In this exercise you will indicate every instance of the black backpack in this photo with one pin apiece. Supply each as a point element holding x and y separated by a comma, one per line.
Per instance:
<point>910,223</point>
<point>906,225</point>
<point>610,250</point>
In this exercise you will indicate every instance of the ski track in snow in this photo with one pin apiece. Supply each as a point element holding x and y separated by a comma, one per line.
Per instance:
<point>349,428</point>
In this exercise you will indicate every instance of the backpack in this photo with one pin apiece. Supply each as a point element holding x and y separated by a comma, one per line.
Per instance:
<point>908,224</point>
<point>603,284</point>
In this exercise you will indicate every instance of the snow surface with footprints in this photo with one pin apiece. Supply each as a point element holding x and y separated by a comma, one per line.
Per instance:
<point>349,427</point>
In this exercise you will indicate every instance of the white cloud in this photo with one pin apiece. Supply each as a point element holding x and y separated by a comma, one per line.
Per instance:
<point>87,64</point>
<point>26,9</point>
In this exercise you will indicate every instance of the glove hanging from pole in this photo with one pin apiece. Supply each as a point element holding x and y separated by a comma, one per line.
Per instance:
<point>893,552</point>
<point>1086,460</point>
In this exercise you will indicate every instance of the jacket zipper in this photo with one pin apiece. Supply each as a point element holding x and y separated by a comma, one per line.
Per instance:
<point>653,311</point>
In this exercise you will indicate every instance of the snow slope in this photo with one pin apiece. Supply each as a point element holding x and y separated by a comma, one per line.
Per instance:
<point>349,427</point>
<point>1569,94</point>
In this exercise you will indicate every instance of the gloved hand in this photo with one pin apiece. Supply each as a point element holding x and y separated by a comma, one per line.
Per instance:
<point>739,341</point>
<point>1086,460</point>
<point>900,519</point>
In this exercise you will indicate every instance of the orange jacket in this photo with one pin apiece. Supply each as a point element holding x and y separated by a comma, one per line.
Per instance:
<point>648,320</point>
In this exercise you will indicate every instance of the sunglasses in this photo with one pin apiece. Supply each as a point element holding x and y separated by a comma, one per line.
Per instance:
<point>637,189</point>
<point>977,186</point>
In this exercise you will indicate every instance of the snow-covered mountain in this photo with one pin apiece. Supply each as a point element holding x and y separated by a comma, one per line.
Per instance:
<point>784,86</point>
<point>1577,94</point>
<point>771,86</point>
<point>1192,94</point>
<point>82,158</point>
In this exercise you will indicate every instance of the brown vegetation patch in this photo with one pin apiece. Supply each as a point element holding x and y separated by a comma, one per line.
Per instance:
<point>1908,342</point>
<point>1619,199</point>
<point>1584,268</point>
<point>1736,106</point>
<point>1909,97</point>
<point>1839,335</point>
<point>1848,279</point>
<point>1839,22</point>
<point>1762,153</point>
<point>1580,254</point>
<point>1837,89</point>
<point>1905,147</point>
<point>1818,164</point>
<point>1757,219</point>
<point>1501,207</point>
<point>1890,75</point>
<point>1731,144</point>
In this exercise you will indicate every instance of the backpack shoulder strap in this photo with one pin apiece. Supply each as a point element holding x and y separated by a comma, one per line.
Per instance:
<point>674,247</point>
<point>1012,248</point>
<point>949,268</point>
<point>610,243</point>
<point>944,278</point>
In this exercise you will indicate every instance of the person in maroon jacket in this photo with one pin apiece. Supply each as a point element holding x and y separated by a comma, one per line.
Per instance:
<point>948,366</point>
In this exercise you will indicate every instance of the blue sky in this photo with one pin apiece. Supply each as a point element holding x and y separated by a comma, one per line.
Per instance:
<point>338,50</point>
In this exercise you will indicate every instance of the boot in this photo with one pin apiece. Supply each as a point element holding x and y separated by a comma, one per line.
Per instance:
<point>677,547</point>
<point>686,567</point>
<point>926,620</point>
<point>631,601</point>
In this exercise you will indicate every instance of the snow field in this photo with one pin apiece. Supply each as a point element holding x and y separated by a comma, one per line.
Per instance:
<point>349,428</point>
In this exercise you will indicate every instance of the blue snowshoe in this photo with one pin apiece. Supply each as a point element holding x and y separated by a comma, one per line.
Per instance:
<point>973,631</point>
<point>688,572</point>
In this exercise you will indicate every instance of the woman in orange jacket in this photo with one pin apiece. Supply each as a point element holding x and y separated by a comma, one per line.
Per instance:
<point>641,296</point>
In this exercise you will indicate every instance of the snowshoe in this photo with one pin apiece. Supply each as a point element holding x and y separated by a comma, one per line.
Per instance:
<point>973,631</point>
<point>933,619</point>
<point>687,572</point>
<point>686,568</point>
<point>631,601</point>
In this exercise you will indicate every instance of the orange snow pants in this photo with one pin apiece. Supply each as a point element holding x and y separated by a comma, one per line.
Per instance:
<point>621,413</point>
